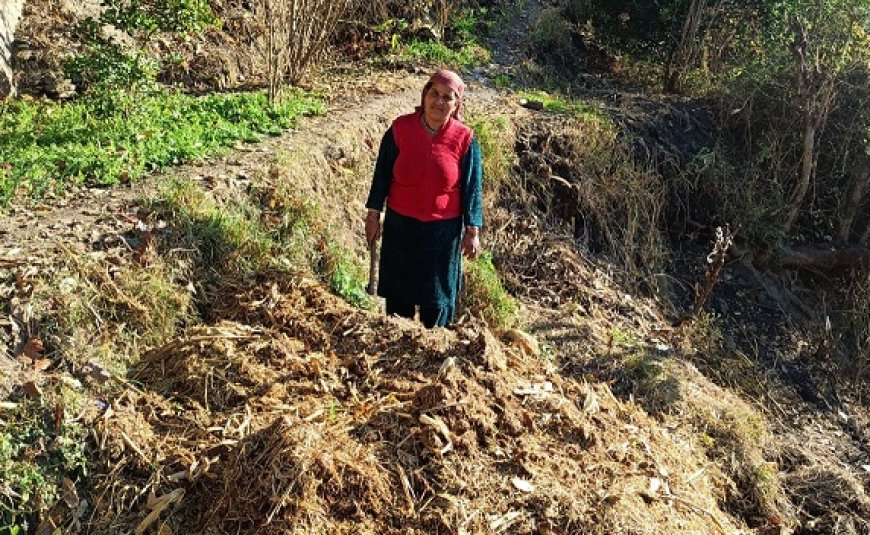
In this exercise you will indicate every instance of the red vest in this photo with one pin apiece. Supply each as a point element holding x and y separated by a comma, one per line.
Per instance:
<point>426,175</point>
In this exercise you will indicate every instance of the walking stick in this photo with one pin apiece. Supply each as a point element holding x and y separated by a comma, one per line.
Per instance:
<point>372,288</point>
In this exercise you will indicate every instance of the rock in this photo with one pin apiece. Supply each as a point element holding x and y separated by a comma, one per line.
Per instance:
<point>10,15</point>
<point>536,105</point>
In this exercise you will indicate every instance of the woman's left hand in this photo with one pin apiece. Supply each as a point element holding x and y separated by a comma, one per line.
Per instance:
<point>471,243</point>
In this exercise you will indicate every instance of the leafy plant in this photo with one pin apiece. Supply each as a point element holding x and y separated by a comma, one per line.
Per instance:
<point>345,277</point>
<point>105,66</point>
<point>35,454</point>
<point>152,16</point>
<point>119,137</point>
<point>436,52</point>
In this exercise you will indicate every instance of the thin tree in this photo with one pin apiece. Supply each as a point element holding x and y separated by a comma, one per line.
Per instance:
<point>290,35</point>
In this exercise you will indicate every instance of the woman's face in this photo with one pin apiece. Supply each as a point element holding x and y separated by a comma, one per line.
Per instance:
<point>439,104</point>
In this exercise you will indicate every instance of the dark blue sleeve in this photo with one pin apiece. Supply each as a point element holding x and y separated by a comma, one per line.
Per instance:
<point>383,176</point>
<point>472,186</point>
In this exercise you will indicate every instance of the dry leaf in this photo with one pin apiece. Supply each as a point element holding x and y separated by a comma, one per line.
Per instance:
<point>31,389</point>
<point>41,365</point>
<point>32,349</point>
<point>590,404</point>
<point>538,390</point>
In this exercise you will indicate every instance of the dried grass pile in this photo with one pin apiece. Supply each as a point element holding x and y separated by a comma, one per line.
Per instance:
<point>298,477</point>
<point>390,428</point>
<point>219,366</point>
<point>835,499</point>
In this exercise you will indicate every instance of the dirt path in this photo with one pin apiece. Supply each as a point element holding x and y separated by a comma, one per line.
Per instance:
<point>85,217</point>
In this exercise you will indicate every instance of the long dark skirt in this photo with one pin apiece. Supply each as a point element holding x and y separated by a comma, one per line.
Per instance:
<point>421,262</point>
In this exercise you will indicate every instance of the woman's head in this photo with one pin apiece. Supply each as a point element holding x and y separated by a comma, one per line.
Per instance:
<point>442,97</point>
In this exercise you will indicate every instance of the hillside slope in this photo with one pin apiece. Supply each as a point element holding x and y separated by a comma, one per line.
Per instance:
<point>270,405</point>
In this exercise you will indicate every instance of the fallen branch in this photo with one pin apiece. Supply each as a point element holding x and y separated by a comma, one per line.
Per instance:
<point>826,258</point>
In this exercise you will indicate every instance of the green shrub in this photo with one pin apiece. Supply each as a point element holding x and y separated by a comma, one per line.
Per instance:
<point>105,66</point>
<point>35,455</point>
<point>151,16</point>
<point>550,39</point>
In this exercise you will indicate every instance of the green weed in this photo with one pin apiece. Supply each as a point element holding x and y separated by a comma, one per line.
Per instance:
<point>122,136</point>
<point>35,454</point>
<point>485,295</point>
<point>345,277</point>
<point>152,16</point>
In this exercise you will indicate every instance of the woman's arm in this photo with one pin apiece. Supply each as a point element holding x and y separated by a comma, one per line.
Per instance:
<point>471,171</point>
<point>472,199</point>
<point>383,175</point>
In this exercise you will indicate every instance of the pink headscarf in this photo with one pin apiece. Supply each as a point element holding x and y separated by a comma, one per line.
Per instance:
<point>451,80</point>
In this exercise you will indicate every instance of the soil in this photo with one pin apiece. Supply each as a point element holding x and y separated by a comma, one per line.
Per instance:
<point>292,412</point>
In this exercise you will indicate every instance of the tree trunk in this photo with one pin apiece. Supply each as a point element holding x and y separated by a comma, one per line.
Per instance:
<point>681,58</point>
<point>860,185</point>
<point>808,157</point>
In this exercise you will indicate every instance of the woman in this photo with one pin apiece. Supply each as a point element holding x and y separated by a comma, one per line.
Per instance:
<point>430,175</point>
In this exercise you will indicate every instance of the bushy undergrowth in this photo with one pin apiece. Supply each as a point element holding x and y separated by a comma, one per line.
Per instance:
<point>590,180</point>
<point>119,137</point>
<point>455,38</point>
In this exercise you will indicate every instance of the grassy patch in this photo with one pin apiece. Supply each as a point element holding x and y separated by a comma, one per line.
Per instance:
<point>272,228</point>
<point>465,56</point>
<point>485,295</point>
<point>118,137</point>
<point>496,143</point>
<point>226,236</point>
<point>558,104</point>
<point>345,277</point>
<point>105,310</point>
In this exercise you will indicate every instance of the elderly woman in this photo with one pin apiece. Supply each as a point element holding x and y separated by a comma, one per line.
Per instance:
<point>430,175</point>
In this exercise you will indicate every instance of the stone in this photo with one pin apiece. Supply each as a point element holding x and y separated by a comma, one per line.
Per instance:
<point>10,16</point>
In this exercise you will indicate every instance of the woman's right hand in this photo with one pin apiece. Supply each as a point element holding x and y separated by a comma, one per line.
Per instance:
<point>373,227</point>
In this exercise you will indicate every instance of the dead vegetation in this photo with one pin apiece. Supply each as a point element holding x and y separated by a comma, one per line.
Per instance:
<point>374,425</point>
